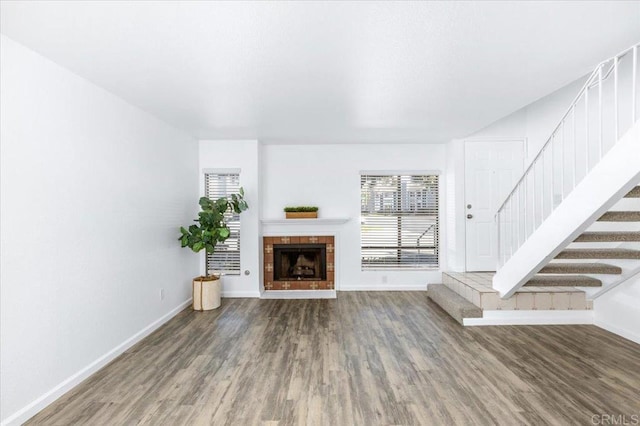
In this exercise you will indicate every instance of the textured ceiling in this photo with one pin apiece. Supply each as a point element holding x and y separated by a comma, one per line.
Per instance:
<point>327,71</point>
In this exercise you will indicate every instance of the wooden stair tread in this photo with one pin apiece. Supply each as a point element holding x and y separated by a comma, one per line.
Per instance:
<point>620,217</point>
<point>455,305</point>
<point>634,193</point>
<point>608,236</point>
<point>563,280</point>
<point>581,268</point>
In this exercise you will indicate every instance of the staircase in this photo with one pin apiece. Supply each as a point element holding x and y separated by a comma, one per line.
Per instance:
<point>567,284</point>
<point>576,266</point>
<point>579,197</point>
<point>570,228</point>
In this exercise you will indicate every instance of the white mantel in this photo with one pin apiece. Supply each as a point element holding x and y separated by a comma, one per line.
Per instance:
<point>320,221</point>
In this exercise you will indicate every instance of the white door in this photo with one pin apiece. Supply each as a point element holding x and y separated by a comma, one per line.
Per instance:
<point>491,170</point>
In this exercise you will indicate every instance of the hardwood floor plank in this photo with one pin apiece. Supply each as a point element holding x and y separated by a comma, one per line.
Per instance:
<point>365,358</point>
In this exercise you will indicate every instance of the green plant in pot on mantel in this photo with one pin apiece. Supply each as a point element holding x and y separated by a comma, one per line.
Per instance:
<point>210,229</point>
<point>301,212</point>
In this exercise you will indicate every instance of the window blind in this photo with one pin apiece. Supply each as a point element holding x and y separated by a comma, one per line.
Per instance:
<point>399,221</point>
<point>226,257</point>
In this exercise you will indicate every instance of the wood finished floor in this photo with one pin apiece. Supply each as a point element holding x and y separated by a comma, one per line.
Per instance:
<point>362,359</point>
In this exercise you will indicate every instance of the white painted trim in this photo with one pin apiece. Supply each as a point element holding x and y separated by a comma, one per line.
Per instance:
<point>299,294</point>
<point>240,294</point>
<point>320,221</point>
<point>623,279</point>
<point>221,171</point>
<point>493,138</point>
<point>386,287</point>
<point>517,317</point>
<point>627,334</point>
<point>323,142</point>
<point>66,385</point>
<point>400,172</point>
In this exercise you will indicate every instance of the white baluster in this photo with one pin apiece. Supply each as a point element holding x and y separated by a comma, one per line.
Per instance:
<point>551,173</point>
<point>543,217</point>
<point>562,165</point>
<point>600,111</point>
<point>586,128</point>
<point>634,77</point>
<point>575,147</point>
<point>615,99</point>
<point>533,198</point>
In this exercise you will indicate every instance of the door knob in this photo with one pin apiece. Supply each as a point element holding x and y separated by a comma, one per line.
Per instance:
<point>469,216</point>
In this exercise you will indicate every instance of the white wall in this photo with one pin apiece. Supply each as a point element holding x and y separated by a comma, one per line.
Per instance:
<point>93,191</point>
<point>455,207</point>
<point>619,310</point>
<point>242,155</point>
<point>328,176</point>
<point>533,123</point>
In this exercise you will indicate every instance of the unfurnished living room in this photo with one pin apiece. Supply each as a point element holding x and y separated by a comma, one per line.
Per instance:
<point>319,213</point>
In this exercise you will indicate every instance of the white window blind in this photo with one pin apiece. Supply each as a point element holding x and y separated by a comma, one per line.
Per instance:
<point>399,221</point>
<point>226,257</point>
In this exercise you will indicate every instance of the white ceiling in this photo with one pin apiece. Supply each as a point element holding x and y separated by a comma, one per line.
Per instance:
<point>326,71</point>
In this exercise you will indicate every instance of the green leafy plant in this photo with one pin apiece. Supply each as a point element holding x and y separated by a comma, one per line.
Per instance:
<point>301,209</point>
<point>211,227</point>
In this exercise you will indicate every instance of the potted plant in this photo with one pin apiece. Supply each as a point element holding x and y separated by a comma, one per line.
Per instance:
<point>210,229</point>
<point>301,212</point>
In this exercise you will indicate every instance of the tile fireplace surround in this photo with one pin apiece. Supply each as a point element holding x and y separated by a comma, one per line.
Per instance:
<point>279,244</point>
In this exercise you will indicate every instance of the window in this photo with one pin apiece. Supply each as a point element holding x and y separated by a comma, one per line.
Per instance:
<point>226,258</point>
<point>399,221</point>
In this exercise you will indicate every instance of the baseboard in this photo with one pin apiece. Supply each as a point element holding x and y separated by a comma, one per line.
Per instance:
<point>627,334</point>
<point>43,401</point>
<point>385,287</point>
<point>299,294</point>
<point>517,317</point>
<point>241,294</point>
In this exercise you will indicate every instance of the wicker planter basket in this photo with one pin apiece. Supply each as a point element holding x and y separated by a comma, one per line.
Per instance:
<point>206,293</point>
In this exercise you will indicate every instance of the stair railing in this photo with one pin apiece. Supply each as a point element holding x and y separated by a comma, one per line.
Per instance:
<point>605,108</point>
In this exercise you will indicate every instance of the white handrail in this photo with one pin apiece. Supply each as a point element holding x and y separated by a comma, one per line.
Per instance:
<point>591,128</point>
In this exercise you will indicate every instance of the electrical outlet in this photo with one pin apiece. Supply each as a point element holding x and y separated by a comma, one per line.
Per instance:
<point>162,294</point>
<point>384,279</point>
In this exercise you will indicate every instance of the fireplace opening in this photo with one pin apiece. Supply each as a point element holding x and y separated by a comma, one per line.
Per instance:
<point>299,262</point>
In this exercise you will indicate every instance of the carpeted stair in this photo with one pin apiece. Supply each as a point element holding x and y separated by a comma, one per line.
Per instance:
<point>608,237</point>
<point>599,253</point>
<point>557,273</point>
<point>620,217</point>
<point>581,268</point>
<point>563,281</point>
<point>634,193</point>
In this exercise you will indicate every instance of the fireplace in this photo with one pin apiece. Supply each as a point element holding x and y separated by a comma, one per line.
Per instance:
<point>299,263</point>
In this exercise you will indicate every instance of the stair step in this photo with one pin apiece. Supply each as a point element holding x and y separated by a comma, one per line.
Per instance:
<point>589,237</point>
<point>634,193</point>
<point>455,305</point>
<point>581,268</point>
<point>620,217</point>
<point>613,253</point>
<point>563,281</point>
